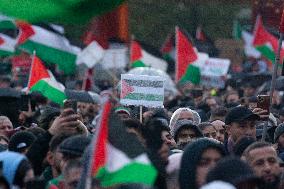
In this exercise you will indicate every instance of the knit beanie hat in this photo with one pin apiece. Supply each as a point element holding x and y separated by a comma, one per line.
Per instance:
<point>185,123</point>
<point>74,146</point>
<point>232,170</point>
<point>21,140</point>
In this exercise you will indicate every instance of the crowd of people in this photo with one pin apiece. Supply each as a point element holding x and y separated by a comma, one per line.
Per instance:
<point>202,138</point>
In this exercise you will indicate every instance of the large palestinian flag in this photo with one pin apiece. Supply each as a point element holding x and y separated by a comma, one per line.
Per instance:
<point>43,81</point>
<point>140,57</point>
<point>118,157</point>
<point>59,11</point>
<point>185,57</point>
<point>264,42</point>
<point>49,46</point>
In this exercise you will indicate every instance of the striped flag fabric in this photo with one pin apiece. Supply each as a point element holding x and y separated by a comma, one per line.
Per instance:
<point>185,57</point>
<point>142,90</point>
<point>118,157</point>
<point>140,57</point>
<point>7,45</point>
<point>265,42</point>
<point>43,81</point>
<point>49,46</point>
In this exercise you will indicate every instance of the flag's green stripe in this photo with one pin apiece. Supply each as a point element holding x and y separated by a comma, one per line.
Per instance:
<point>65,60</point>
<point>5,53</point>
<point>131,173</point>
<point>266,52</point>
<point>138,63</point>
<point>7,24</point>
<point>144,83</point>
<point>49,92</point>
<point>192,74</point>
<point>142,96</point>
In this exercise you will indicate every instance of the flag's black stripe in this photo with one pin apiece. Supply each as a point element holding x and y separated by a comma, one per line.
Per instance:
<point>145,83</point>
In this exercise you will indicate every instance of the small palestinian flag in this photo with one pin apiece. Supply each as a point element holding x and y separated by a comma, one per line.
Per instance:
<point>43,81</point>
<point>140,56</point>
<point>118,157</point>
<point>185,57</point>
<point>142,90</point>
<point>265,42</point>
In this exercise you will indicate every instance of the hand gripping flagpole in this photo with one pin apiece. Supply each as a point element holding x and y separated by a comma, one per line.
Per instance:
<point>275,69</point>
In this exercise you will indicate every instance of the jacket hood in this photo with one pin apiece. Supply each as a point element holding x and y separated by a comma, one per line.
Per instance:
<point>190,159</point>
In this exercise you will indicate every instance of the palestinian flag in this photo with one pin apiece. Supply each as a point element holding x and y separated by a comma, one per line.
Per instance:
<point>237,30</point>
<point>142,90</point>
<point>63,11</point>
<point>49,46</point>
<point>146,57</point>
<point>185,57</point>
<point>7,45</point>
<point>264,42</point>
<point>118,157</point>
<point>43,81</point>
<point>168,48</point>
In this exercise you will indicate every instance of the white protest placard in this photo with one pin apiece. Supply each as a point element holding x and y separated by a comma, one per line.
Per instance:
<point>214,72</point>
<point>115,58</point>
<point>142,90</point>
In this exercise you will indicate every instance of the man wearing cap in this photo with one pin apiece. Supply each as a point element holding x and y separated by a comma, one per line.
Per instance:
<point>240,122</point>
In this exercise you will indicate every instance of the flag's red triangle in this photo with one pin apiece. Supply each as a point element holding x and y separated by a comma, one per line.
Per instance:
<point>168,45</point>
<point>185,53</point>
<point>2,41</point>
<point>26,31</point>
<point>135,51</point>
<point>101,139</point>
<point>38,72</point>
<point>125,89</point>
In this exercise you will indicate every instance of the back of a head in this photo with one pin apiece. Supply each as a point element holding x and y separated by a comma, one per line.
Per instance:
<point>218,113</point>
<point>232,170</point>
<point>56,141</point>
<point>74,146</point>
<point>242,144</point>
<point>191,157</point>
<point>21,141</point>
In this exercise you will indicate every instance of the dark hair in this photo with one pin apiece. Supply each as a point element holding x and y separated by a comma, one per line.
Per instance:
<point>71,164</point>
<point>219,112</point>
<point>21,172</point>
<point>254,146</point>
<point>56,141</point>
<point>132,123</point>
<point>204,125</point>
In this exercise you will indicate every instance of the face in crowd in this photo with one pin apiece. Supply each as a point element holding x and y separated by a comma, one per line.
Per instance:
<point>219,126</point>
<point>5,125</point>
<point>262,157</point>
<point>237,130</point>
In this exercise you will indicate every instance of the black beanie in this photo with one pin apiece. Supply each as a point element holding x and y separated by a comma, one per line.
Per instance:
<point>232,170</point>
<point>21,140</point>
<point>47,115</point>
<point>278,131</point>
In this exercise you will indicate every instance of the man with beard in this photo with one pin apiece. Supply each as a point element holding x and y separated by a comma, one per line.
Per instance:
<point>262,157</point>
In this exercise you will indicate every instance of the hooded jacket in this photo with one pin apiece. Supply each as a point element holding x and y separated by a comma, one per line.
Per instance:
<point>190,159</point>
<point>11,162</point>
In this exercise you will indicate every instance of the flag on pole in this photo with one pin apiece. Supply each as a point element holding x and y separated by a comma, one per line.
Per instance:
<point>185,57</point>
<point>142,57</point>
<point>7,45</point>
<point>264,42</point>
<point>49,46</point>
<point>168,48</point>
<point>43,81</point>
<point>118,157</point>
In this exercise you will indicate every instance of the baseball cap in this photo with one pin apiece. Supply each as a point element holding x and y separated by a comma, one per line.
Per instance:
<point>240,113</point>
